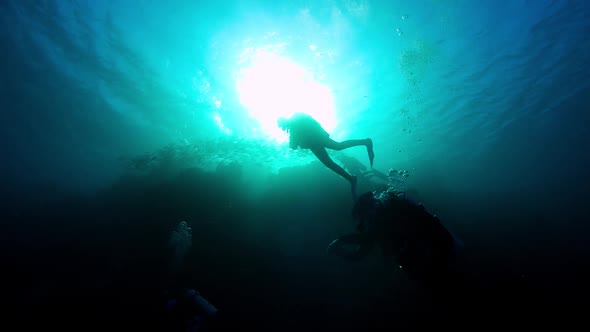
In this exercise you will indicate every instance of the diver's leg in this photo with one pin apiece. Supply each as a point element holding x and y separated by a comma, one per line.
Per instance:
<point>323,156</point>
<point>333,145</point>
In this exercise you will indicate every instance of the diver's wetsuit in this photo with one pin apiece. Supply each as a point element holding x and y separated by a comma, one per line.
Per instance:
<point>404,230</point>
<point>305,132</point>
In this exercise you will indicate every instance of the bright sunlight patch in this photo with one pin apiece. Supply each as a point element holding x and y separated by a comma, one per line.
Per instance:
<point>273,86</point>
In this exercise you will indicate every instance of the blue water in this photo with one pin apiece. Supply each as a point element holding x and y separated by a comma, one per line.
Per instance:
<point>484,102</point>
<point>486,90</point>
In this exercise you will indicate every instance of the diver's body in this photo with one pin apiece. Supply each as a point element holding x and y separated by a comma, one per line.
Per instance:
<point>404,230</point>
<point>187,311</point>
<point>306,133</point>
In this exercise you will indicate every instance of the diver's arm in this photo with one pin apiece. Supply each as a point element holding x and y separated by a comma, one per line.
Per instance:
<point>352,247</point>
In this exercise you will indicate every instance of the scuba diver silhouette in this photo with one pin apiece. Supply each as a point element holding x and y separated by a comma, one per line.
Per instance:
<point>306,133</point>
<point>405,231</point>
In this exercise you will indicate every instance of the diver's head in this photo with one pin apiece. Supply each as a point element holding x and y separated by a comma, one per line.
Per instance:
<point>283,123</point>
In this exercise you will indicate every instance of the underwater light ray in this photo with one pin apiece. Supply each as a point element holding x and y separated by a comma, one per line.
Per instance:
<point>273,86</point>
